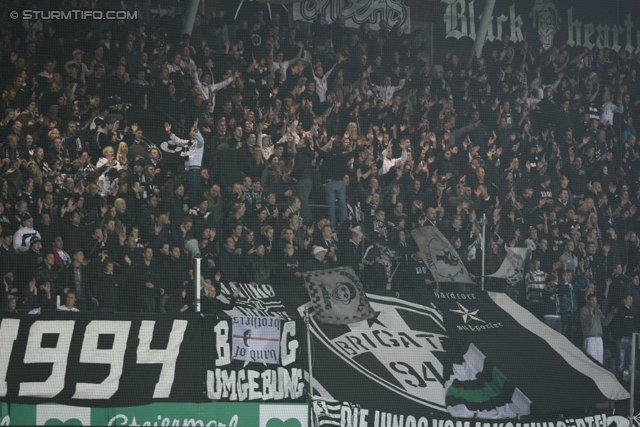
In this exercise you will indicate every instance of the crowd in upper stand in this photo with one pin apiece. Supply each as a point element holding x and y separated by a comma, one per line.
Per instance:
<point>299,147</point>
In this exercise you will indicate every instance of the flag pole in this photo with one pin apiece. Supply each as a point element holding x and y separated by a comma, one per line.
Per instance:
<point>196,277</point>
<point>483,240</point>
<point>634,342</point>
<point>307,321</point>
<point>361,243</point>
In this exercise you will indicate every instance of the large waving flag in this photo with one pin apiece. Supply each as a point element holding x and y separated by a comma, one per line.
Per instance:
<point>441,258</point>
<point>463,354</point>
<point>551,366</point>
<point>337,296</point>
<point>513,266</point>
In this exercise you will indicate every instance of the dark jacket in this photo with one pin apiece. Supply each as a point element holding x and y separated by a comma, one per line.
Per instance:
<point>174,272</point>
<point>144,273</point>
<point>66,279</point>
<point>351,256</point>
<point>304,167</point>
<point>231,268</point>
<point>283,274</point>
<point>106,290</point>
<point>175,206</point>
<point>259,268</point>
<point>624,323</point>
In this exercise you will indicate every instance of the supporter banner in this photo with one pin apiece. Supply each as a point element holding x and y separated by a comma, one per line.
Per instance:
<point>410,355</point>
<point>163,414</point>
<point>547,23</point>
<point>238,381</point>
<point>441,258</point>
<point>512,268</point>
<point>355,12</point>
<point>241,381</point>
<point>259,301</point>
<point>100,360</point>
<point>324,413</point>
<point>337,296</point>
<point>256,339</point>
<point>335,413</point>
<point>417,357</point>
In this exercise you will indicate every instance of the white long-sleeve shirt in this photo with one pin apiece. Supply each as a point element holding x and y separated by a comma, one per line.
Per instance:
<point>103,161</point>
<point>104,185</point>
<point>207,89</point>
<point>194,151</point>
<point>388,163</point>
<point>608,108</point>
<point>268,151</point>
<point>531,100</point>
<point>321,84</point>
<point>386,92</point>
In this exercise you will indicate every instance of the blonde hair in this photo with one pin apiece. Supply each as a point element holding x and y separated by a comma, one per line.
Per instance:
<point>36,174</point>
<point>352,130</point>
<point>106,149</point>
<point>119,203</point>
<point>208,288</point>
<point>123,150</point>
<point>584,208</point>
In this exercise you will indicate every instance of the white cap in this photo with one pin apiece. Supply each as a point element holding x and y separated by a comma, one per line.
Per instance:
<point>319,249</point>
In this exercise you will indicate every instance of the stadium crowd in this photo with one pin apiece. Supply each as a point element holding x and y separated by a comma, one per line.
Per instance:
<point>300,147</point>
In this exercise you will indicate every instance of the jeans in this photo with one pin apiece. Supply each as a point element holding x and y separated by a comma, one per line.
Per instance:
<point>193,186</point>
<point>304,191</point>
<point>624,351</point>
<point>554,322</point>
<point>333,190</point>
